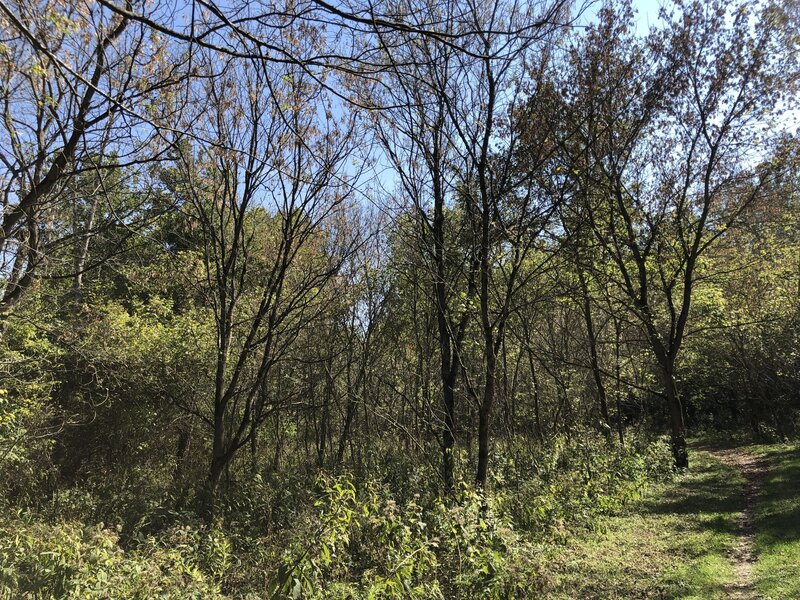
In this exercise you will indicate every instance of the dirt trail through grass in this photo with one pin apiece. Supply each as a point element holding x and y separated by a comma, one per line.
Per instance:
<point>743,554</point>
<point>729,528</point>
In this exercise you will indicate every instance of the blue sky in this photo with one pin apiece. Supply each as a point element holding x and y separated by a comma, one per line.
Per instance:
<point>647,13</point>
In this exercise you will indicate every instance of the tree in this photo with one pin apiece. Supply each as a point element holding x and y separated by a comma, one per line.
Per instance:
<point>266,192</point>
<point>668,154</point>
<point>70,78</point>
<point>443,112</point>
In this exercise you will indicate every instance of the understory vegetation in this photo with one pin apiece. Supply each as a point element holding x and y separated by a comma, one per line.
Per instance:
<point>325,535</point>
<point>404,299</point>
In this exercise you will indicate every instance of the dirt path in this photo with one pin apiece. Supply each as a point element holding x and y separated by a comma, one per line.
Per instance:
<point>744,553</point>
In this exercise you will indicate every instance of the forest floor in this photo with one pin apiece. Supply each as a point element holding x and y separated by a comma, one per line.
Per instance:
<point>729,528</point>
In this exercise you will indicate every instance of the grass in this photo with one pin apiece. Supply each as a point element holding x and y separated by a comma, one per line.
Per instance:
<point>673,544</point>
<point>777,540</point>
<point>679,540</point>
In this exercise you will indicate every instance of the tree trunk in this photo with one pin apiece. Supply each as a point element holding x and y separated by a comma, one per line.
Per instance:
<point>448,435</point>
<point>484,423</point>
<point>276,457</point>
<point>254,450</point>
<point>536,403</point>
<point>617,390</point>
<point>322,440</point>
<point>678,430</point>
<point>218,464</point>
<point>350,413</point>
<point>181,450</point>
<point>219,460</point>
<point>81,249</point>
<point>595,363</point>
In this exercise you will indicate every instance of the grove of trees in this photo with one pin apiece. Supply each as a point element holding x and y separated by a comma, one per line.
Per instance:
<point>262,260</point>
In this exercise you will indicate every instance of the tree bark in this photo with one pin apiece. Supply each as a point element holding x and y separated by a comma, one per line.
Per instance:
<point>678,429</point>
<point>594,361</point>
<point>484,425</point>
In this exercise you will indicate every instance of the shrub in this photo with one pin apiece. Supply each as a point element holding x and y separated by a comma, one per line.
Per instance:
<point>70,560</point>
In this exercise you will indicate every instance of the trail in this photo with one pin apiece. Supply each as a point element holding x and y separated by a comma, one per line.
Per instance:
<point>744,553</point>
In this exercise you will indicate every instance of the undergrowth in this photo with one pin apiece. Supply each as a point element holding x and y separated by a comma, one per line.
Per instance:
<point>328,535</point>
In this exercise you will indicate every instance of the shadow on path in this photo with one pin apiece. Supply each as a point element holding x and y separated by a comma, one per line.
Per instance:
<point>744,555</point>
<point>712,509</point>
<point>777,523</point>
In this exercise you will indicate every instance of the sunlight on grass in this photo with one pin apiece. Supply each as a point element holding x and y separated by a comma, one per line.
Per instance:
<point>674,544</point>
<point>777,571</point>
<point>679,541</point>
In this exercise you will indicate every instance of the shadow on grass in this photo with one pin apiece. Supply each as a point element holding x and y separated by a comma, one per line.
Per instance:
<point>711,497</point>
<point>684,537</point>
<point>709,489</point>
<point>778,509</point>
<point>777,523</point>
<point>702,508</point>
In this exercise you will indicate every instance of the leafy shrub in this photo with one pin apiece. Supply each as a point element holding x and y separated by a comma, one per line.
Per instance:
<point>70,560</point>
<point>483,555</point>
<point>27,360</point>
<point>370,538</point>
<point>363,544</point>
<point>576,480</point>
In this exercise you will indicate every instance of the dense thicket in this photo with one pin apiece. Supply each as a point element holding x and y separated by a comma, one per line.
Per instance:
<point>316,299</point>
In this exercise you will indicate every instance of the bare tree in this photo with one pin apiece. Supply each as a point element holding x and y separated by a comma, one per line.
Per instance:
<point>71,79</point>
<point>266,193</point>
<point>669,152</point>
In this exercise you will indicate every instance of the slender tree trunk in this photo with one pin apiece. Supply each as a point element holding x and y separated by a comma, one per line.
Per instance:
<point>254,450</point>
<point>537,415</point>
<point>218,461</point>
<point>276,457</point>
<point>350,413</point>
<point>218,464</point>
<point>181,450</point>
<point>350,409</point>
<point>489,351</point>
<point>449,372</point>
<point>81,249</point>
<point>617,390</point>
<point>534,381</point>
<point>449,345</point>
<point>322,440</point>
<point>485,422</point>
<point>595,363</point>
<point>448,433</point>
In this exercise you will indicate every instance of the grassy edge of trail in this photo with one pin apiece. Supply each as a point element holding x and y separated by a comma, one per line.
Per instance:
<point>777,523</point>
<point>674,543</point>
